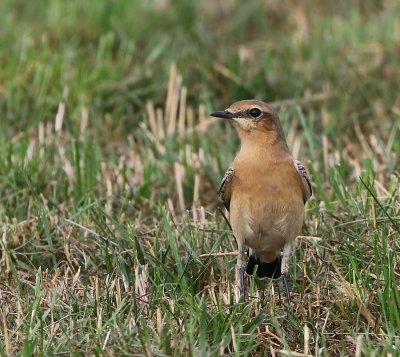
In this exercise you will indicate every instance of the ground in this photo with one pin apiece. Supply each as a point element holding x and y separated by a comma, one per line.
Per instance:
<point>113,239</point>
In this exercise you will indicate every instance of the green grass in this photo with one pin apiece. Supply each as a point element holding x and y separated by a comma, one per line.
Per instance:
<point>112,238</point>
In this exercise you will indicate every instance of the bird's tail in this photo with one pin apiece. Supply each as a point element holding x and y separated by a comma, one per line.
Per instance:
<point>264,269</point>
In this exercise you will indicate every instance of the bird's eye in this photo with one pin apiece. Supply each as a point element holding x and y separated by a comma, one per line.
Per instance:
<point>255,112</point>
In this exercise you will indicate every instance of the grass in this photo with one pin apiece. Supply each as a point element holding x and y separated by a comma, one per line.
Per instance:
<point>113,242</point>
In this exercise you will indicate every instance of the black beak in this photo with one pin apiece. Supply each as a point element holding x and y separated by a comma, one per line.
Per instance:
<point>223,114</point>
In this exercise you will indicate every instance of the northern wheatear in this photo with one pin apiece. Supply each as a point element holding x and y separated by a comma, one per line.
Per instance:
<point>265,190</point>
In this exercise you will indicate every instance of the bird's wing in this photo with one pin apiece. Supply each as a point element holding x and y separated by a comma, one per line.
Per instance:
<point>224,192</point>
<point>307,190</point>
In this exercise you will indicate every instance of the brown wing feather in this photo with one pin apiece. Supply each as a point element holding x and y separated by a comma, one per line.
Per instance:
<point>307,190</point>
<point>224,192</point>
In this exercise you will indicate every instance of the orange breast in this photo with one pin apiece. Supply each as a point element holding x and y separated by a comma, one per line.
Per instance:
<point>266,204</point>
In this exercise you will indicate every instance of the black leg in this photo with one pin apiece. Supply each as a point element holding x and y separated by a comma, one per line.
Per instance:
<point>243,284</point>
<point>286,286</point>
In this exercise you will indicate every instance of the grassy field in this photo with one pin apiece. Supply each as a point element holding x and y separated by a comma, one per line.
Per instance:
<point>113,241</point>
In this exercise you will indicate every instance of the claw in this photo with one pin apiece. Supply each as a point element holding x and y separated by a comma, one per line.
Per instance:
<point>286,287</point>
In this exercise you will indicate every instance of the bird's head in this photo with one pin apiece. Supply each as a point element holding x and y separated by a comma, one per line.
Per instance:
<point>252,118</point>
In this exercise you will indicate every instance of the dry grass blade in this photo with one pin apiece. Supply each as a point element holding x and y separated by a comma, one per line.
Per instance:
<point>105,143</point>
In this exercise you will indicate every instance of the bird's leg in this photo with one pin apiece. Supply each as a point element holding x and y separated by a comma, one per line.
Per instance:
<point>240,281</point>
<point>287,250</point>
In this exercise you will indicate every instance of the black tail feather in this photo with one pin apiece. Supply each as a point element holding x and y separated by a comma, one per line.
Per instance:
<point>264,270</point>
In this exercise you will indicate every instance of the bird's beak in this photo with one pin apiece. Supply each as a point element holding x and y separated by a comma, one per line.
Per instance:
<point>223,114</point>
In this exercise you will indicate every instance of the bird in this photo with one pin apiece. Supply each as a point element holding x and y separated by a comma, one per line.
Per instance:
<point>264,190</point>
